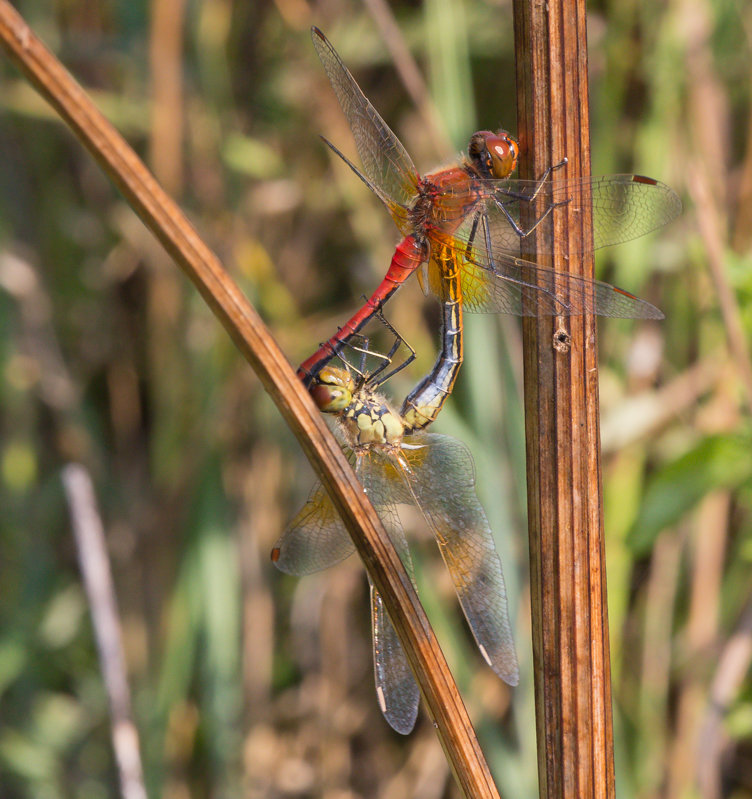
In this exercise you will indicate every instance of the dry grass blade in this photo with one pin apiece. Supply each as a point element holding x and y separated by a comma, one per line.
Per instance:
<point>709,226</point>
<point>97,577</point>
<point>182,242</point>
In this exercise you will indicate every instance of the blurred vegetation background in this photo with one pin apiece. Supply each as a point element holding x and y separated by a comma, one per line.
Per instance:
<point>245,681</point>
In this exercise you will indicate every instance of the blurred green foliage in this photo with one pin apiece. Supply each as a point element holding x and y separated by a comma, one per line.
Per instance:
<point>247,682</point>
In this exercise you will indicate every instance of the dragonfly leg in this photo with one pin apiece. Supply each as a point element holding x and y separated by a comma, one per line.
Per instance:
<point>361,344</point>
<point>406,259</point>
<point>335,349</point>
<point>364,351</point>
<point>363,347</point>
<point>529,198</point>
<point>522,233</point>
<point>389,375</point>
<point>531,292</point>
<point>564,161</point>
<point>474,232</point>
<point>398,342</point>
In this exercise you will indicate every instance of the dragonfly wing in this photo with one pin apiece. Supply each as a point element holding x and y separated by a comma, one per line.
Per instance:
<point>396,689</point>
<point>387,165</point>
<point>621,208</point>
<point>315,539</point>
<point>494,277</point>
<point>505,284</point>
<point>496,281</point>
<point>624,207</point>
<point>441,478</point>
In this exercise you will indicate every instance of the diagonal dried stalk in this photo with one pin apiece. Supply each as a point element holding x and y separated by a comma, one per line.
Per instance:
<point>182,242</point>
<point>567,568</point>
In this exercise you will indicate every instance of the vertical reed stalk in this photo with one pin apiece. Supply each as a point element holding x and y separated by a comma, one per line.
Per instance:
<point>570,623</point>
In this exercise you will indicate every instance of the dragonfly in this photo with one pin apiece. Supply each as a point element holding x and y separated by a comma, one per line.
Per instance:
<point>462,227</point>
<point>436,474</point>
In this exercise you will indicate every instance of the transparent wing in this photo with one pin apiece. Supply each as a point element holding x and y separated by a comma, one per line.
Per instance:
<point>622,208</point>
<point>386,163</point>
<point>497,282</point>
<point>315,539</point>
<point>440,478</point>
<point>396,689</point>
<point>487,244</point>
<point>397,692</point>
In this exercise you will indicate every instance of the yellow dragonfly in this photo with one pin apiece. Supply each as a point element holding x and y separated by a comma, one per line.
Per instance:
<point>436,474</point>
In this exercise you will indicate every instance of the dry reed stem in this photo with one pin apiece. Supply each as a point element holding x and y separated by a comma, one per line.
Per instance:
<point>169,225</point>
<point>710,228</point>
<point>567,563</point>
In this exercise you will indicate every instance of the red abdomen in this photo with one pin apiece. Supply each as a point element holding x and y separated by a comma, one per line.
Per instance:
<point>408,256</point>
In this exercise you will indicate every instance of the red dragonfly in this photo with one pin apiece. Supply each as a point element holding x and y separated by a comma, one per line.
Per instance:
<point>462,224</point>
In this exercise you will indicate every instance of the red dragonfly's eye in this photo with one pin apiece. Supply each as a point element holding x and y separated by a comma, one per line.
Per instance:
<point>503,150</point>
<point>494,155</point>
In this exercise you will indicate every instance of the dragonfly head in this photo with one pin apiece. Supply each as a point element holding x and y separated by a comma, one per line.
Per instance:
<point>333,390</point>
<point>493,155</point>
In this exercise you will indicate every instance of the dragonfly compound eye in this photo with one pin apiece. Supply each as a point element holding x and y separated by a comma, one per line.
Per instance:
<point>330,399</point>
<point>332,392</point>
<point>494,155</point>
<point>503,150</point>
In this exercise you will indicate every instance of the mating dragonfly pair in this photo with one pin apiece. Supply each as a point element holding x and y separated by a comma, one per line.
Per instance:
<point>462,229</point>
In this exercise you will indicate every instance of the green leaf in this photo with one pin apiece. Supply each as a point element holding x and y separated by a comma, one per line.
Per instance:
<point>718,461</point>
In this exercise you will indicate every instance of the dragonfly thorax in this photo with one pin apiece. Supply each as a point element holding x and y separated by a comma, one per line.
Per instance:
<point>421,212</point>
<point>371,420</point>
<point>443,201</point>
